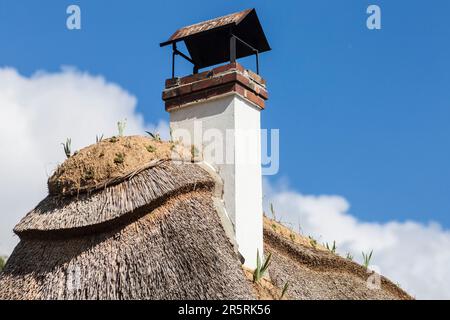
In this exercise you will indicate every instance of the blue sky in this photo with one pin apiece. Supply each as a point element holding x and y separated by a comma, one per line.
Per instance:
<point>363,114</point>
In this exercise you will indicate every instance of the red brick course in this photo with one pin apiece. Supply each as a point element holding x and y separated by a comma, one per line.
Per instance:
<point>218,81</point>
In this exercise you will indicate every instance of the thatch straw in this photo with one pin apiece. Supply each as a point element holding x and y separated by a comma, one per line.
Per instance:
<point>110,181</point>
<point>106,162</point>
<point>177,250</point>
<point>316,274</point>
<point>60,215</point>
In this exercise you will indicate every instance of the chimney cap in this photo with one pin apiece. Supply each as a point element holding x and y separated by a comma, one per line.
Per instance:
<point>208,42</point>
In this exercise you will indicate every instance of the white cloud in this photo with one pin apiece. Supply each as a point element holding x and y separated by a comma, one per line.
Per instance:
<point>37,113</point>
<point>413,254</point>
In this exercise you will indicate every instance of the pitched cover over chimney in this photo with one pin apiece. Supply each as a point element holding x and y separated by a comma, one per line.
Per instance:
<point>217,112</point>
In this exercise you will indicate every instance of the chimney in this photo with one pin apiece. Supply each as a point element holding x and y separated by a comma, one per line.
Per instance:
<point>218,113</point>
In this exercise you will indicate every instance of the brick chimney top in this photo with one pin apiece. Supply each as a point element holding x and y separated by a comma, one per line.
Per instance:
<point>220,81</point>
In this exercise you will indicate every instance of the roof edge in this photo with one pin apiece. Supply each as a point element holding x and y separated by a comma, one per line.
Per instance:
<point>322,260</point>
<point>172,38</point>
<point>58,216</point>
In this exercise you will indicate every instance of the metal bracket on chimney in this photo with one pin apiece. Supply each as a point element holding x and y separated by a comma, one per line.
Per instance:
<point>233,57</point>
<point>233,39</point>
<point>176,52</point>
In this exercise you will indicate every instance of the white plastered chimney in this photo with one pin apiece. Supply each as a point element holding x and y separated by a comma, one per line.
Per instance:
<point>218,111</point>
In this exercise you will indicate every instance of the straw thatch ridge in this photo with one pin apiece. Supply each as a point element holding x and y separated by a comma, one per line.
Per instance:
<point>120,203</point>
<point>178,251</point>
<point>107,162</point>
<point>103,184</point>
<point>319,274</point>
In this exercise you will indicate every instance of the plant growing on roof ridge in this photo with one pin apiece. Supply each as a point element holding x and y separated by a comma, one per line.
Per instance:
<point>99,139</point>
<point>2,262</point>
<point>332,248</point>
<point>349,256</point>
<point>261,268</point>
<point>272,211</point>
<point>285,288</point>
<point>312,242</point>
<point>120,158</point>
<point>150,148</point>
<point>299,228</point>
<point>89,174</point>
<point>155,136</point>
<point>367,258</point>
<point>194,151</point>
<point>121,127</point>
<point>292,236</point>
<point>67,147</point>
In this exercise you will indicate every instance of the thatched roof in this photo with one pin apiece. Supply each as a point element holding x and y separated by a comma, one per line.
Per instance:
<point>157,231</point>
<point>154,234</point>
<point>134,197</point>
<point>313,272</point>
